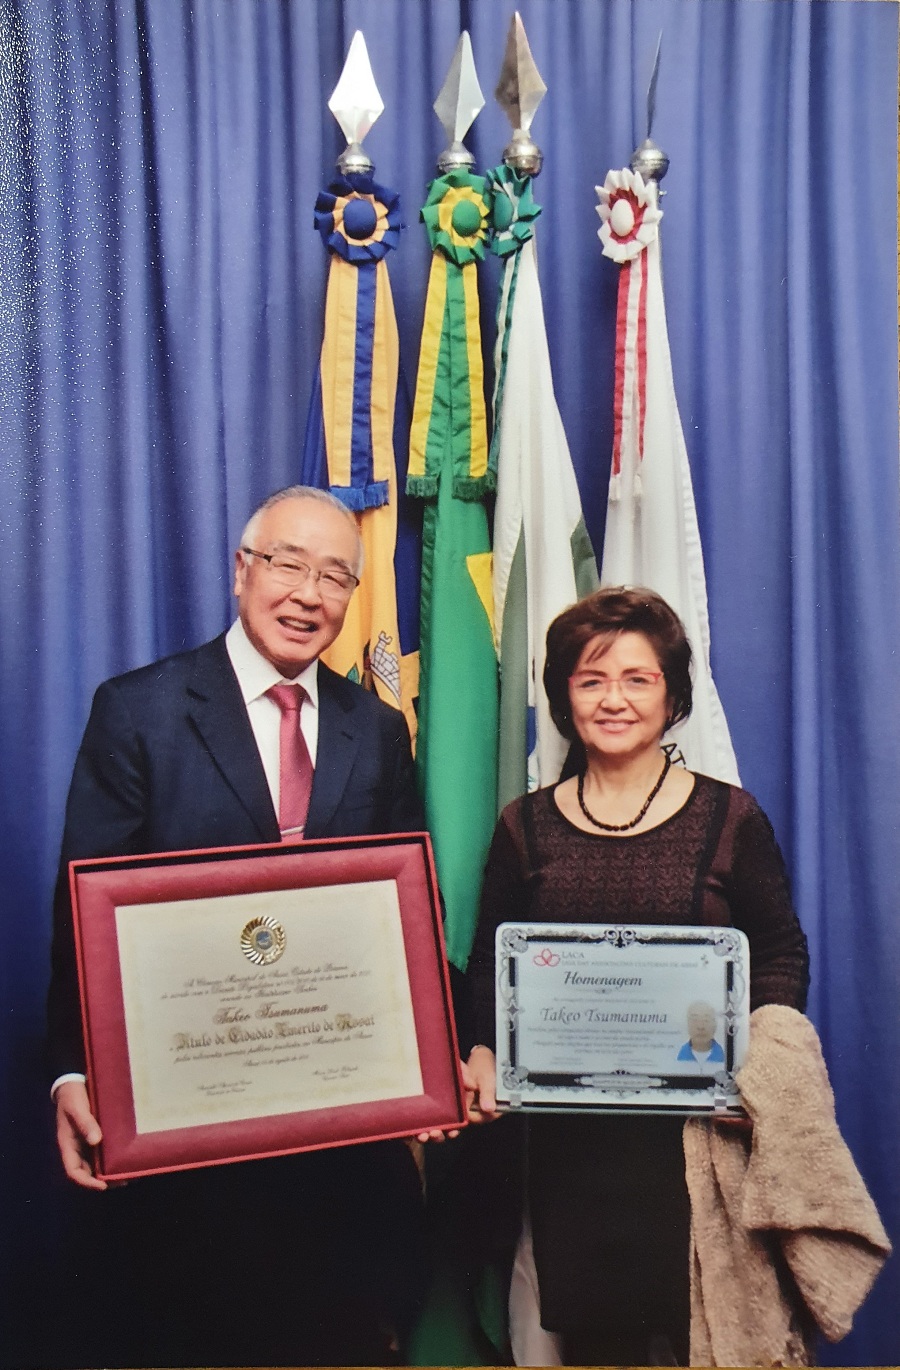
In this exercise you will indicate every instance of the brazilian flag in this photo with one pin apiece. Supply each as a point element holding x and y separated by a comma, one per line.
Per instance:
<point>449,468</point>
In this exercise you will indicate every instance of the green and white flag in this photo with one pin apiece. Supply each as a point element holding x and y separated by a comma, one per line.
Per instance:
<point>543,559</point>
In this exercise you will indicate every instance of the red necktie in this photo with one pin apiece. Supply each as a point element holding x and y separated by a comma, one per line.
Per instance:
<point>296,769</point>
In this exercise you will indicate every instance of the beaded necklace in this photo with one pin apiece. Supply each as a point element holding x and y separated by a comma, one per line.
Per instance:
<point>622,827</point>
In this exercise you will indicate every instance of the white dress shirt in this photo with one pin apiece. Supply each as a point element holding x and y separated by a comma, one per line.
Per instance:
<point>255,676</point>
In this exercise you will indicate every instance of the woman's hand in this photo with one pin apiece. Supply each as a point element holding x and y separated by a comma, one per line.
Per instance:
<point>737,1120</point>
<point>480,1081</point>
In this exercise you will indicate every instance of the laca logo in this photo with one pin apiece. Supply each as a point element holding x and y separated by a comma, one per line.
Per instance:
<point>546,957</point>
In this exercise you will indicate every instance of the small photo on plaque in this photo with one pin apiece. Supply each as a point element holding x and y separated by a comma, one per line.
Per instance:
<point>596,1017</point>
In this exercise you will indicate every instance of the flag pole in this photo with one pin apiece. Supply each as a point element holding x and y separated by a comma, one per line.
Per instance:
<point>543,559</point>
<point>449,471</point>
<point>349,446</point>
<point>652,536</point>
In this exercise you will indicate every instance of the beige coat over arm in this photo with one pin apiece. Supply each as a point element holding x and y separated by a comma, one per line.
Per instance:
<point>785,1238</point>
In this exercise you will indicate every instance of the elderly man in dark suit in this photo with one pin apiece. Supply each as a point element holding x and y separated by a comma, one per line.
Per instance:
<point>188,753</point>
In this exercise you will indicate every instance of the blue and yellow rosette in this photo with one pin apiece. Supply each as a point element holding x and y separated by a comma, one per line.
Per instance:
<point>449,405</point>
<point>359,222</point>
<point>513,216</point>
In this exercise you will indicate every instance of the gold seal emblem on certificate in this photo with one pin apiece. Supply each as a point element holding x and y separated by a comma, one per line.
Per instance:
<point>263,940</point>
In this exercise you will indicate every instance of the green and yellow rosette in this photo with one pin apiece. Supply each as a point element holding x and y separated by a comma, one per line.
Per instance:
<point>513,216</point>
<point>449,406</point>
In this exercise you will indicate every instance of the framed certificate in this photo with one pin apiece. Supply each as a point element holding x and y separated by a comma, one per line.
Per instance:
<point>260,1000</point>
<point>592,1016</point>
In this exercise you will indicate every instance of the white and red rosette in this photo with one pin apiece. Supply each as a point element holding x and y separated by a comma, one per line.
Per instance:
<point>629,213</point>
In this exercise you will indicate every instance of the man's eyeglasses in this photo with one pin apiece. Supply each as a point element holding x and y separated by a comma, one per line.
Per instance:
<point>634,685</point>
<point>334,582</point>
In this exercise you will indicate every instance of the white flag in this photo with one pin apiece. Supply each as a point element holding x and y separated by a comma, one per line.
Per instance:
<point>652,537</point>
<point>543,559</point>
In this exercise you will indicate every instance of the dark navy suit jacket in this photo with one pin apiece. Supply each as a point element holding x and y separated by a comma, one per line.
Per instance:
<point>169,762</point>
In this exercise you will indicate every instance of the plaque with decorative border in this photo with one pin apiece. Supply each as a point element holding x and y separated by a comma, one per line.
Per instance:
<point>621,1018</point>
<point>254,1001</point>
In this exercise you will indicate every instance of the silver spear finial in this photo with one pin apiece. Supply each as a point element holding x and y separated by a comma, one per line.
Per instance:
<point>356,104</point>
<point>651,89</point>
<point>648,159</point>
<point>458,105</point>
<point>519,92</point>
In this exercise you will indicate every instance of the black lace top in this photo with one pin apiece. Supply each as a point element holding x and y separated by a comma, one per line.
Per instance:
<point>607,1196</point>
<point>715,861</point>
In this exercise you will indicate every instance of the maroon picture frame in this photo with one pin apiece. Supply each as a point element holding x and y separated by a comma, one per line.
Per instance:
<point>98,886</point>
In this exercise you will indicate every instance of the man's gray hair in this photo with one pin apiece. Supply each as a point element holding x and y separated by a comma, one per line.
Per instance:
<point>310,492</point>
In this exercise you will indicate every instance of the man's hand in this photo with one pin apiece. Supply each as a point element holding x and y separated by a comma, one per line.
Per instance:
<point>435,1134</point>
<point>77,1131</point>
<point>479,1076</point>
<point>480,1080</point>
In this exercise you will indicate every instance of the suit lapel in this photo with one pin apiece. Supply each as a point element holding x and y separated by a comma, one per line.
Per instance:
<point>220,716</point>
<point>339,740</point>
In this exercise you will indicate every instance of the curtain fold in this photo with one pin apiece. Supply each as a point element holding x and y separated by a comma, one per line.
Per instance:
<point>161,295</point>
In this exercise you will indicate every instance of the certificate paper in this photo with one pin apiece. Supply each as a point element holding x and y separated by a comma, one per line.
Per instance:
<point>621,1018</point>
<point>213,1038</point>
<point>253,1001</point>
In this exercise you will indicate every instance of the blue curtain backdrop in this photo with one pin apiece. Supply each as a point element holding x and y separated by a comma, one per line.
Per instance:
<point>161,292</point>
